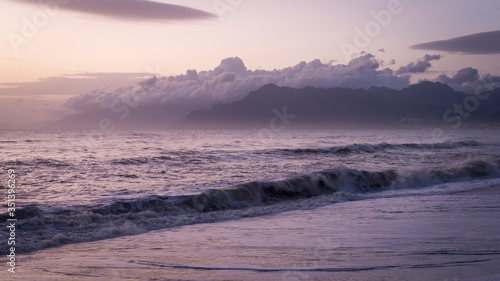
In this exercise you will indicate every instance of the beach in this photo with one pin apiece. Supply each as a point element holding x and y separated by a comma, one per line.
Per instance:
<point>422,237</point>
<point>231,140</point>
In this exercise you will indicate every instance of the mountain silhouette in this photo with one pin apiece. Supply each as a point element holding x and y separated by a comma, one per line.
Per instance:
<point>420,105</point>
<point>423,104</point>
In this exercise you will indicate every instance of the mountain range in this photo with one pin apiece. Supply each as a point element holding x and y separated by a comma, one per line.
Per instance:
<point>419,105</point>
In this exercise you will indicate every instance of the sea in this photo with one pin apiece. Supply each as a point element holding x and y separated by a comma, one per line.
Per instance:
<point>252,204</point>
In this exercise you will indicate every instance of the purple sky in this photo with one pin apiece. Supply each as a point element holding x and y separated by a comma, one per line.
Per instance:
<point>90,51</point>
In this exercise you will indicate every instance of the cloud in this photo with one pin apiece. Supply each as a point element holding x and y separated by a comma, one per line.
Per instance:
<point>17,100</point>
<point>140,10</point>
<point>478,43</point>
<point>469,81</point>
<point>68,85</point>
<point>420,66</point>
<point>231,81</point>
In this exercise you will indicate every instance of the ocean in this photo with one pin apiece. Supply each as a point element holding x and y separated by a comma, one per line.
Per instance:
<point>254,204</point>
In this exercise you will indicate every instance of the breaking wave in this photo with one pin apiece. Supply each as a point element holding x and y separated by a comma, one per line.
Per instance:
<point>42,229</point>
<point>372,148</point>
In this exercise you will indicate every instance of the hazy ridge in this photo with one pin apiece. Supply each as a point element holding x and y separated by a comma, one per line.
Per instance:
<point>420,105</point>
<point>423,104</point>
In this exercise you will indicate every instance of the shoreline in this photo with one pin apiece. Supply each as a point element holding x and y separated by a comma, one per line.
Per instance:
<point>377,239</point>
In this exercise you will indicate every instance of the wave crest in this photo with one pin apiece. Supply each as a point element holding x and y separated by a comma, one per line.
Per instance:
<point>372,148</point>
<point>125,217</point>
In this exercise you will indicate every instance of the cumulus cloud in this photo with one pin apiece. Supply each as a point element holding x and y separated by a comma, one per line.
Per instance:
<point>477,43</point>
<point>231,81</point>
<point>418,67</point>
<point>141,10</point>
<point>468,80</point>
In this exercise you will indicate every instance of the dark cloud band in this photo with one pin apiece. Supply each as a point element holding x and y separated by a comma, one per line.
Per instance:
<point>139,10</point>
<point>478,43</point>
<point>420,66</point>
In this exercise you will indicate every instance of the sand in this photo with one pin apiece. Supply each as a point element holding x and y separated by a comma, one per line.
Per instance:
<point>434,237</point>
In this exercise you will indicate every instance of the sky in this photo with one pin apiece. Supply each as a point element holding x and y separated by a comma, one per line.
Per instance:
<point>58,57</point>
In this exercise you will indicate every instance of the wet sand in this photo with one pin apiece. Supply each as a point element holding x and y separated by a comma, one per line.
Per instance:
<point>432,237</point>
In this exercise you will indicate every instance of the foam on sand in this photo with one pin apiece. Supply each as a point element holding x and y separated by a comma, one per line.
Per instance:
<point>433,237</point>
